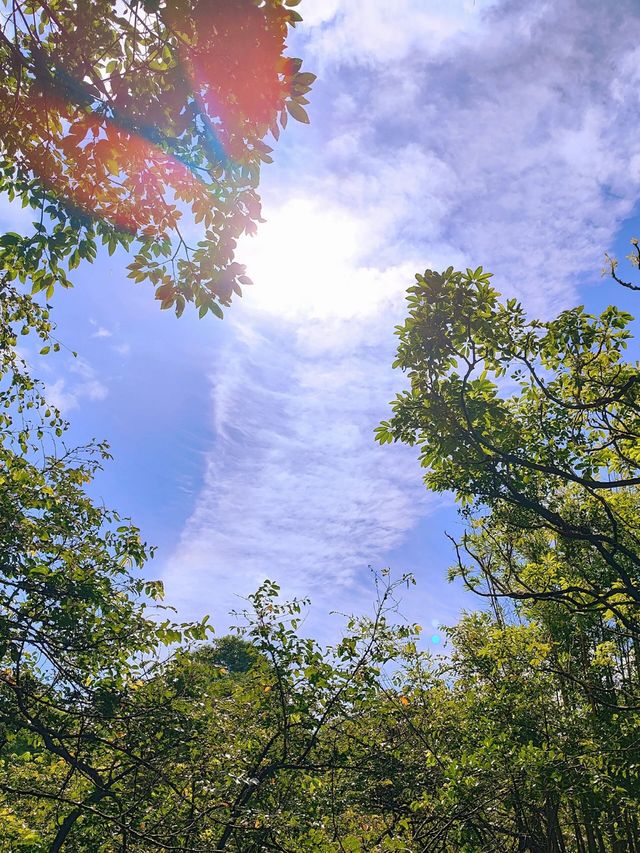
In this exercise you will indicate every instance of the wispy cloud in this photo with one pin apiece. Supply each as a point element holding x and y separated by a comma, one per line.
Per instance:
<point>512,145</point>
<point>101,332</point>
<point>353,34</point>
<point>123,349</point>
<point>502,134</point>
<point>81,383</point>
<point>294,487</point>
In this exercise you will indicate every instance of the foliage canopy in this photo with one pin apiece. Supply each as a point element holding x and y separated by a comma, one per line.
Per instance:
<point>123,730</point>
<point>118,118</point>
<point>536,422</point>
<point>116,733</point>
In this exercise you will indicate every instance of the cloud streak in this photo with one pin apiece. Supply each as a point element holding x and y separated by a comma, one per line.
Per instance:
<point>294,488</point>
<point>448,135</point>
<point>81,383</point>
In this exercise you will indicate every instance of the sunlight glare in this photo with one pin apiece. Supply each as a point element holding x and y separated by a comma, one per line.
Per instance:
<point>308,262</point>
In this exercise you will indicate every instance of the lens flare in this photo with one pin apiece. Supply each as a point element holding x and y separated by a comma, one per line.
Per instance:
<point>232,59</point>
<point>104,170</point>
<point>157,118</point>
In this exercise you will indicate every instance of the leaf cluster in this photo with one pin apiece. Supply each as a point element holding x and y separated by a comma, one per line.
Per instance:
<point>141,126</point>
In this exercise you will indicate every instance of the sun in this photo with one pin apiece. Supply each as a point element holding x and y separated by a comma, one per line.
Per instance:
<point>310,262</point>
<point>304,261</point>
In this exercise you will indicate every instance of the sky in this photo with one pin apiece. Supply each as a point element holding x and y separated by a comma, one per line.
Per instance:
<point>443,132</point>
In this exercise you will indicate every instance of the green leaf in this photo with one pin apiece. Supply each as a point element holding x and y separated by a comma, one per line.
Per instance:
<point>298,112</point>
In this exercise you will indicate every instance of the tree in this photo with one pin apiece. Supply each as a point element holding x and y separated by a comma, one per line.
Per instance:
<point>75,638</point>
<point>515,756</point>
<point>118,118</point>
<point>533,425</point>
<point>536,423</point>
<point>281,750</point>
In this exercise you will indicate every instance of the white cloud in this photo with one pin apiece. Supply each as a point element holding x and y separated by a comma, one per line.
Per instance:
<point>517,149</point>
<point>66,393</point>
<point>294,487</point>
<point>346,32</point>
<point>514,146</point>
<point>101,332</point>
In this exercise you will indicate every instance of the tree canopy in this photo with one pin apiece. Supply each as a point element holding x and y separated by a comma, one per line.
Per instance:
<point>536,422</point>
<point>123,730</point>
<point>118,733</point>
<point>142,125</point>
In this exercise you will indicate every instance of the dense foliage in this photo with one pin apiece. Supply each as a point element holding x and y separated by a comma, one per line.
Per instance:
<point>124,732</point>
<point>117,733</point>
<point>538,424</point>
<point>141,124</point>
<point>534,427</point>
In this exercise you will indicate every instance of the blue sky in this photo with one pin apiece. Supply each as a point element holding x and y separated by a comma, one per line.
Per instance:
<point>443,132</point>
